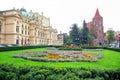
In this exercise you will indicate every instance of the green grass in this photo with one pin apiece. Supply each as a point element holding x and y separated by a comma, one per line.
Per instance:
<point>110,61</point>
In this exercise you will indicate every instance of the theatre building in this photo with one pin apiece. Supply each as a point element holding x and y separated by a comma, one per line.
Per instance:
<point>24,28</point>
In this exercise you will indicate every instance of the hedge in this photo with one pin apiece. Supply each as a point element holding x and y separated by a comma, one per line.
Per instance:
<point>56,46</point>
<point>12,72</point>
<point>100,47</point>
<point>25,47</point>
<point>114,49</point>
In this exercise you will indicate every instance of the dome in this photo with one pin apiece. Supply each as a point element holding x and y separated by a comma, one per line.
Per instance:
<point>22,9</point>
<point>24,12</point>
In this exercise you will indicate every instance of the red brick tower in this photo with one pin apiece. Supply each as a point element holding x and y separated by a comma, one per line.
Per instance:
<point>96,27</point>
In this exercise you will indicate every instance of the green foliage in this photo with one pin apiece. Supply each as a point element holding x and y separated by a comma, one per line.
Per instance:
<point>67,40</point>
<point>75,34</point>
<point>2,74</point>
<point>11,76</point>
<point>110,36</point>
<point>54,77</point>
<point>92,47</point>
<point>28,76</point>
<point>51,73</point>
<point>19,48</point>
<point>2,49</point>
<point>84,34</point>
<point>39,77</point>
<point>114,49</point>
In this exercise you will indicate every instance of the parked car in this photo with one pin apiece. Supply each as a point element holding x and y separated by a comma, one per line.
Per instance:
<point>3,45</point>
<point>8,45</point>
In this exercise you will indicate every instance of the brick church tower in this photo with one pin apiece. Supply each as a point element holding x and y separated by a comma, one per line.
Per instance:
<point>96,29</point>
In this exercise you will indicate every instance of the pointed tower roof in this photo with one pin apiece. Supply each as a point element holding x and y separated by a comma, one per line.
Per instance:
<point>97,14</point>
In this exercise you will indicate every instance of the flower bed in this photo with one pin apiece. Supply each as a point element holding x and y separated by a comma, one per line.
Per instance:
<point>59,56</point>
<point>76,48</point>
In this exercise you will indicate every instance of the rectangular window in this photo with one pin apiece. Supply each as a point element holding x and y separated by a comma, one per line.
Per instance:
<point>22,31</point>
<point>17,41</point>
<point>17,29</point>
<point>0,28</point>
<point>0,40</point>
<point>26,33</point>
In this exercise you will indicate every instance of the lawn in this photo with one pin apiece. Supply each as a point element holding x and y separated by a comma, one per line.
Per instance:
<point>110,61</point>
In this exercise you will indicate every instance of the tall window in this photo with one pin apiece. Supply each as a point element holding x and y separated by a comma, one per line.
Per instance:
<point>22,31</point>
<point>0,40</point>
<point>22,26</point>
<point>0,27</point>
<point>25,32</point>
<point>17,41</point>
<point>17,29</point>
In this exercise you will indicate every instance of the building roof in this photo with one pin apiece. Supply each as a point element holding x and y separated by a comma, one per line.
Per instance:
<point>89,24</point>
<point>97,14</point>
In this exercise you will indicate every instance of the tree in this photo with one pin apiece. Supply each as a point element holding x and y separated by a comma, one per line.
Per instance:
<point>84,34</point>
<point>75,34</point>
<point>90,39</point>
<point>67,40</point>
<point>110,36</point>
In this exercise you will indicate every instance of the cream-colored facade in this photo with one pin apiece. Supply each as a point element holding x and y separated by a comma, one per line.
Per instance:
<point>23,28</point>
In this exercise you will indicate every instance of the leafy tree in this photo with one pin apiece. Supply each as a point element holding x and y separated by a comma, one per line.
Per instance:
<point>75,34</point>
<point>85,34</point>
<point>67,40</point>
<point>90,39</point>
<point>110,36</point>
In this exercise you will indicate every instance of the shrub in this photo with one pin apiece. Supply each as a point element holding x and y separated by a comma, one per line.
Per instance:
<point>39,77</point>
<point>114,49</point>
<point>2,75</point>
<point>48,73</point>
<point>92,47</point>
<point>11,76</point>
<point>25,47</point>
<point>27,77</point>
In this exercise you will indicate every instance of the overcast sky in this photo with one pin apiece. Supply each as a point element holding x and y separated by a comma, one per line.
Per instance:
<point>63,13</point>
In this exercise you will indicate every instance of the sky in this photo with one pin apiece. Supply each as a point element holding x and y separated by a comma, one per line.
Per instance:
<point>64,13</point>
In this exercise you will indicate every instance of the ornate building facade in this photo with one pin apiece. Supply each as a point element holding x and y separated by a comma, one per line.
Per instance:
<point>96,29</point>
<point>23,28</point>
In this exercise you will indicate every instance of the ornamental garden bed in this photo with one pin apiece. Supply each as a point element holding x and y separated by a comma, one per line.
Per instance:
<point>60,56</point>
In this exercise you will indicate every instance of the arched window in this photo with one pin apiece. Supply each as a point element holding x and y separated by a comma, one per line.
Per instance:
<point>0,26</point>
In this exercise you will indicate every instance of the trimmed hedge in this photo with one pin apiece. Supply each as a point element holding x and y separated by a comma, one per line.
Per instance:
<point>100,47</point>
<point>92,47</point>
<point>114,49</point>
<point>25,47</point>
<point>19,48</point>
<point>12,72</point>
<point>56,46</point>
